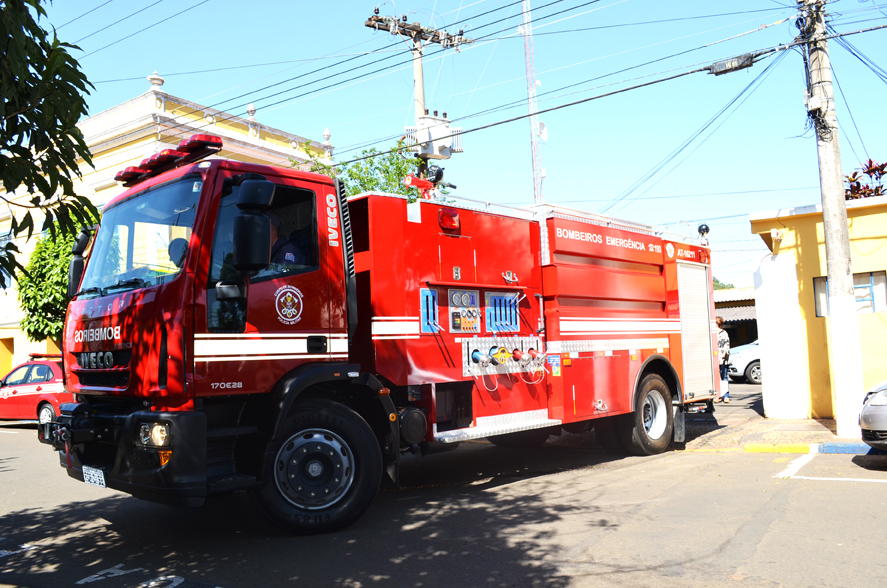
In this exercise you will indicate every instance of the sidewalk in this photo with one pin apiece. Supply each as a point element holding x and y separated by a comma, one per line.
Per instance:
<point>740,426</point>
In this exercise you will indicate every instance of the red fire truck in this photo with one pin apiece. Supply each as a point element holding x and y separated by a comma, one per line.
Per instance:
<point>244,327</point>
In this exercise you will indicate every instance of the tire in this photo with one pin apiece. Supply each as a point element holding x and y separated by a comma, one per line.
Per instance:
<point>753,373</point>
<point>303,493</point>
<point>606,430</point>
<point>523,439</point>
<point>45,413</point>
<point>648,429</point>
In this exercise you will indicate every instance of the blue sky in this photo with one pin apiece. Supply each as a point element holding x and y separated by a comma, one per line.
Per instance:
<point>759,155</point>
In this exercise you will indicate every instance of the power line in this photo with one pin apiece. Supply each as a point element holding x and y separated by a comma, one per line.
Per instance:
<point>117,22</point>
<point>521,102</point>
<point>84,14</point>
<point>686,143</point>
<point>552,109</point>
<point>372,63</point>
<point>249,66</point>
<point>146,28</point>
<point>703,195</point>
<point>665,20</point>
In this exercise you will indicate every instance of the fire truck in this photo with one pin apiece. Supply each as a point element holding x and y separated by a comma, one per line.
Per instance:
<point>244,327</point>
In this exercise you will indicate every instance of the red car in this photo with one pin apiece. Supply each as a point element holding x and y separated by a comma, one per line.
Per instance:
<point>34,390</point>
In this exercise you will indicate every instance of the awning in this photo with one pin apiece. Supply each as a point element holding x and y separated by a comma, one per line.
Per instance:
<point>737,313</point>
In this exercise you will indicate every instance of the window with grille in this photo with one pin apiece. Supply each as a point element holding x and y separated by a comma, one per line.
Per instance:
<point>870,290</point>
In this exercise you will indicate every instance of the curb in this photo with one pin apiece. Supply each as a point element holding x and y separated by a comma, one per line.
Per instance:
<point>832,448</point>
<point>778,448</point>
<point>849,448</point>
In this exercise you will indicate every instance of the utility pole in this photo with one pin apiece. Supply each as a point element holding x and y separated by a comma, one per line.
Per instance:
<point>844,346</point>
<point>428,128</point>
<point>418,34</point>
<point>527,32</point>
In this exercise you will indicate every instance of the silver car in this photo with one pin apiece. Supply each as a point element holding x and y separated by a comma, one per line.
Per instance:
<point>873,418</point>
<point>745,363</point>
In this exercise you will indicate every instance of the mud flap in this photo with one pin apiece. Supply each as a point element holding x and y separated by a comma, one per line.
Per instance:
<point>390,454</point>
<point>680,430</point>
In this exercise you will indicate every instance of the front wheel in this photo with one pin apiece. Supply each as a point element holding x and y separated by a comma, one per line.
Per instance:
<point>649,428</point>
<point>46,413</point>
<point>326,470</point>
<point>753,372</point>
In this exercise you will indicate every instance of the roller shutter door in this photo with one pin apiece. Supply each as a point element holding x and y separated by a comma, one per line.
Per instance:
<point>696,335</point>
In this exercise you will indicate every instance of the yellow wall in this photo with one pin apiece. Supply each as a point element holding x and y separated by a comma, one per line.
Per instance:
<point>803,240</point>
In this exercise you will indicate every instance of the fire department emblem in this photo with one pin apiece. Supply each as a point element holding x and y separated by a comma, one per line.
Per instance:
<point>669,248</point>
<point>289,304</point>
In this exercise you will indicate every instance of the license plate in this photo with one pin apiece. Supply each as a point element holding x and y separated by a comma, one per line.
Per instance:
<point>94,476</point>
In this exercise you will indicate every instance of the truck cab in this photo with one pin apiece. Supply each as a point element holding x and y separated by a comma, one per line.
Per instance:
<point>212,296</point>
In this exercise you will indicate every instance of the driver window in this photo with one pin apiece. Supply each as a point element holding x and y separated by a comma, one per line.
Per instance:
<point>293,250</point>
<point>293,233</point>
<point>17,377</point>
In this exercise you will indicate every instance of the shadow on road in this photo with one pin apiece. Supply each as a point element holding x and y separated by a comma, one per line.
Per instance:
<point>445,527</point>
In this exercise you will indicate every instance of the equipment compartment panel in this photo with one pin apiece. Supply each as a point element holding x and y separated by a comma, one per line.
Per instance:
<point>464,311</point>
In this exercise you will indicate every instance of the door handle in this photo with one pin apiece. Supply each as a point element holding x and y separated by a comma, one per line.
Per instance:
<point>316,344</point>
<point>39,388</point>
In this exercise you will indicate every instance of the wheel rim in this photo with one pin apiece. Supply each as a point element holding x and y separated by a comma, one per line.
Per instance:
<point>654,415</point>
<point>756,373</point>
<point>46,414</point>
<point>315,469</point>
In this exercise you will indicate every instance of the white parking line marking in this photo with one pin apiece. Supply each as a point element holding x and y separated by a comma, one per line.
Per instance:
<point>162,582</point>
<point>109,573</point>
<point>800,462</point>
<point>839,479</point>
<point>9,432</point>
<point>21,549</point>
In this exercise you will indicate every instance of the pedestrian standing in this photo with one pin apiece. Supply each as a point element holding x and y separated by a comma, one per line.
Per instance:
<point>723,359</point>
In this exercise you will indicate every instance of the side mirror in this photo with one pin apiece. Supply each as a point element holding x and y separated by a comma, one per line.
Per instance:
<point>81,242</point>
<point>77,263</point>
<point>75,274</point>
<point>252,229</point>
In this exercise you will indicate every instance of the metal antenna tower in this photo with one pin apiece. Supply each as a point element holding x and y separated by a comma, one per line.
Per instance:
<point>527,32</point>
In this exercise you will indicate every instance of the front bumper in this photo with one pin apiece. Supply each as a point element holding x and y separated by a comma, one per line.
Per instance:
<point>873,422</point>
<point>86,436</point>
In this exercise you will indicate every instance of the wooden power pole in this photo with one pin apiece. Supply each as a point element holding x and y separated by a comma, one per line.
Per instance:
<point>843,328</point>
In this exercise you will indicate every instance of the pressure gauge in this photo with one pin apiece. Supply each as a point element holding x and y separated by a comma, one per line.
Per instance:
<point>466,299</point>
<point>456,299</point>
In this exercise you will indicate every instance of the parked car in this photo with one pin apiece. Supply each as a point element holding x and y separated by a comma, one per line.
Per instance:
<point>34,390</point>
<point>873,418</point>
<point>745,363</point>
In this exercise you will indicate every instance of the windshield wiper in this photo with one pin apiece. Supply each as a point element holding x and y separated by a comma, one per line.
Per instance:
<point>93,290</point>
<point>134,282</point>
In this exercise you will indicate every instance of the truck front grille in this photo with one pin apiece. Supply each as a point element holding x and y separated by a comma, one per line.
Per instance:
<point>874,435</point>
<point>103,379</point>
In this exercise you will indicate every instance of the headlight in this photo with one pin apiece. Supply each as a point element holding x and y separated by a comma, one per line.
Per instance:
<point>878,398</point>
<point>156,434</point>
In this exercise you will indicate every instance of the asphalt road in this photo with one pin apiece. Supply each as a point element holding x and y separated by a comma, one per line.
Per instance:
<point>478,516</point>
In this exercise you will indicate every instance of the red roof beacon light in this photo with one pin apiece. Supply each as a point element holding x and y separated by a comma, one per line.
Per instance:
<point>129,174</point>
<point>448,219</point>
<point>162,159</point>
<point>199,143</point>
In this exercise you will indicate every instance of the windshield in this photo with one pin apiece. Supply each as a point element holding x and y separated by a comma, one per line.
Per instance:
<point>142,241</point>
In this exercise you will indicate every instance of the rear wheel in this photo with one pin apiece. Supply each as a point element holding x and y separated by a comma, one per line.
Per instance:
<point>531,438</point>
<point>648,429</point>
<point>753,372</point>
<point>326,471</point>
<point>45,413</point>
